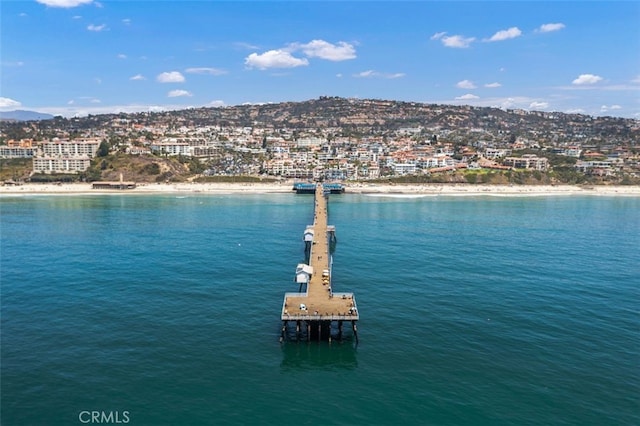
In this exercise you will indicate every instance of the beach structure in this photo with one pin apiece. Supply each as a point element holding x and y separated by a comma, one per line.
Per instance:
<point>121,184</point>
<point>310,188</point>
<point>317,311</point>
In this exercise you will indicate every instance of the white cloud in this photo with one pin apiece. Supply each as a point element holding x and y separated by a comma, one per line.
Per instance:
<point>98,80</point>
<point>122,56</point>
<point>126,21</point>
<point>467,97</point>
<point>75,110</point>
<point>465,84</point>
<point>493,85</point>
<point>64,3</point>
<point>575,111</point>
<point>274,59</point>
<point>457,41</point>
<point>170,77</point>
<point>636,80</point>
<point>95,101</point>
<point>605,108</point>
<point>538,105</point>
<point>512,32</point>
<point>137,77</point>
<point>339,75</point>
<point>9,103</point>
<point>547,28</point>
<point>511,102</point>
<point>203,70</point>
<point>97,28</point>
<point>372,74</point>
<point>247,46</point>
<point>178,93</point>
<point>341,51</point>
<point>364,74</point>
<point>216,104</point>
<point>587,79</point>
<point>454,41</point>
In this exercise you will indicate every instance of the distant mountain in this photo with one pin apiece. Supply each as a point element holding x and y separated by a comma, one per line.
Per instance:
<point>22,115</point>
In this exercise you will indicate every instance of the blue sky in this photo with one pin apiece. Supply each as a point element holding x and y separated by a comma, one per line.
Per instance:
<point>73,57</point>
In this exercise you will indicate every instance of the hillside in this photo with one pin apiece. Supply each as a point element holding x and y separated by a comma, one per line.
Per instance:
<point>138,168</point>
<point>361,117</point>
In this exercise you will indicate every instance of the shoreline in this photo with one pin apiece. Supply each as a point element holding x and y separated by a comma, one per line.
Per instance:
<point>413,190</point>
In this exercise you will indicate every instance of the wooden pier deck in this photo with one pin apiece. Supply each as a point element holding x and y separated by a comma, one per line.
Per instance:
<point>320,302</point>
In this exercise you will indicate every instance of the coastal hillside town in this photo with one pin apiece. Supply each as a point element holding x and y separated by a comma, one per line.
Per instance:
<point>329,138</point>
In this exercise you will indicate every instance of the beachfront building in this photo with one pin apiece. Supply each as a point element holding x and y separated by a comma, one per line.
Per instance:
<point>404,168</point>
<point>595,168</point>
<point>435,162</point>
<point>70,148</point>
<point>51,164</point>
<point>16,152</point>
<point>65,156</point>
<point>23,148</point>
<point>529,161</point>
<point>288,169</point>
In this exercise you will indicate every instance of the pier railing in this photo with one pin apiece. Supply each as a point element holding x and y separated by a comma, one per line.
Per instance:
<point>319,317</point>
<point>305,294</point>
<point>352,315</point>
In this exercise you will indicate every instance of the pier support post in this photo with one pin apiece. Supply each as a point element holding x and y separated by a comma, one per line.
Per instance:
<point>308,331</point>
<point>340,330</point>
<point>355,331</point>
<point>319,331</point>
<point>297,330</point>
<point>284,331</point>
<point>330,331</point>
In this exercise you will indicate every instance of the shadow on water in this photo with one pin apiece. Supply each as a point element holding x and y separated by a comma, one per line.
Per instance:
<point>319,356</point>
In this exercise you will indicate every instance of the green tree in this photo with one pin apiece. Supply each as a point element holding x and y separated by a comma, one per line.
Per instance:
<point>103,149</point>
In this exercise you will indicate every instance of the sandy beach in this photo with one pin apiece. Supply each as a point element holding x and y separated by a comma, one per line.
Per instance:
<point>358,188</point>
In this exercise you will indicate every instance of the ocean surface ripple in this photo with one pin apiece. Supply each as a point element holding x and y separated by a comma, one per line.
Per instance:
<point>474,311</point>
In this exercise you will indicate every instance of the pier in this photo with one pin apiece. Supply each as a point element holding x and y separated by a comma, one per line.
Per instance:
<point>318,312</point>
<point>310,188</point>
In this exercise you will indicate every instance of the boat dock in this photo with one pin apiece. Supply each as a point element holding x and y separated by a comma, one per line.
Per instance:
<point>318,312</point>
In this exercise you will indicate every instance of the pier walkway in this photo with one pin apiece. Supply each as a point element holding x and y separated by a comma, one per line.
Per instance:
<point>320,303</point>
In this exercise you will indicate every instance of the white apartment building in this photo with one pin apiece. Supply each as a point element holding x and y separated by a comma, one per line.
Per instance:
<point>287,168</point>
<point>529,161</point>
<point>431,162</point>
<point>171,148</point>
<point>16,152</point>
<point>65,156</point>
<point>404,168</point>
<point>494,153</point>
<point>61,164</point>
<point>70,148</point>
<point>309,142</point>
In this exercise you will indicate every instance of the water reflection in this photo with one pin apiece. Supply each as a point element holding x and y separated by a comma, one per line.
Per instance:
<point>319,356</point>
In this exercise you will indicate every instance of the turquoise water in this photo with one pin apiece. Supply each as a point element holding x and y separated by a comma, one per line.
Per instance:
<point>474,311</point>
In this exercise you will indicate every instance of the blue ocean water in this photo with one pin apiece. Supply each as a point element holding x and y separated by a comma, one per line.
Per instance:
<point>164,310</point>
